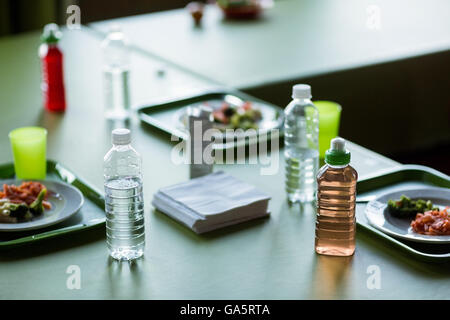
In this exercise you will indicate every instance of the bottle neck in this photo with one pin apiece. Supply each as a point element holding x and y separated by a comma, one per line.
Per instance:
<point>338,166</point>
<point>303,100</point>
<point>121,147</point>
<point>50,45</point>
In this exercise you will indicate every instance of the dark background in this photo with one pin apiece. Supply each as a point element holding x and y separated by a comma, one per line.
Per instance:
<point>24,15</point>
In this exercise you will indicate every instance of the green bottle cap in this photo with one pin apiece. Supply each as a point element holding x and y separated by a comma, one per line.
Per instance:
<point>337,155</point>
<point>51,33</point>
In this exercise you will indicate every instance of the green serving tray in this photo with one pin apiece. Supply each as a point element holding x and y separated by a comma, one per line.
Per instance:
<point>91,215</point>
<point>166,116</point>
<point>404,177</point>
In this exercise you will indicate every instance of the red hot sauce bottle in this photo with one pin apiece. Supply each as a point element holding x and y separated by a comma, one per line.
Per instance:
<point>52,69</point>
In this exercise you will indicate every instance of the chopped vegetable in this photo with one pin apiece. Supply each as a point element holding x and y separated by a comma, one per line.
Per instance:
<point>12,211</point>
<point>18,210</point>
<point>242,117</point>
<point>22,203</point>
<point>37,207</point>
<point>405,207</point>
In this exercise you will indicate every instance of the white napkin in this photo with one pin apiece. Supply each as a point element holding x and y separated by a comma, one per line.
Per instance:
<point>212,201</point>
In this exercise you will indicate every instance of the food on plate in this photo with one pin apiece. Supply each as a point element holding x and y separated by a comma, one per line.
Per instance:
<point>241,9</point>
<point>22,203</point>
<point>242,117</point>
<point>433,222</point>
<point>405,207</point>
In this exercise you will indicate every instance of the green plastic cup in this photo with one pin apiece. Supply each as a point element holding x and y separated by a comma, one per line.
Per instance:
<point>329,118</point>
<point>29,147</point>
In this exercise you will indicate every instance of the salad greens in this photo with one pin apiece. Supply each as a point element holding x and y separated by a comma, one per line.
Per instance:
<point>405,207</point>
<point>14,212</point>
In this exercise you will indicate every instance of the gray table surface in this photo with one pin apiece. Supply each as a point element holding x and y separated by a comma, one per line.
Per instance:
<point>271,258</point>
<point>294,39</point>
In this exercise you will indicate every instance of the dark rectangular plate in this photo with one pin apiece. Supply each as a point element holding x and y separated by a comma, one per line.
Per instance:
<point>164,116</point>
<point>407,176</point>
<point>91,214</point>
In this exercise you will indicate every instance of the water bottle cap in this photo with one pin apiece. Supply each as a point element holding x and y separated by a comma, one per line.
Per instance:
<point>301,91</point>
<point>115,32</point>
<point>337,154</point>
<point>121,136</point>
<point>51,33</point>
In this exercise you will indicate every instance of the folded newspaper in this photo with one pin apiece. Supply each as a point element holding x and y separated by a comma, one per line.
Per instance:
<point>211,202</point>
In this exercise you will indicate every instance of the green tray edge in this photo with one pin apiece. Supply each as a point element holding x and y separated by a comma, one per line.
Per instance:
<point>440,176</point>
<point>94,195</point>
<point>206,94</point>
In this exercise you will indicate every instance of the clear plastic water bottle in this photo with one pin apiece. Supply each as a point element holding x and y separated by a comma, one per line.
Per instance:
<point>301,143</point>
<point>124,205</point>
<point>116,71</point>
